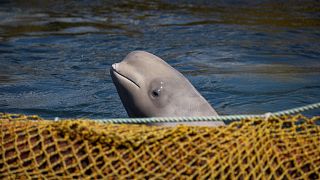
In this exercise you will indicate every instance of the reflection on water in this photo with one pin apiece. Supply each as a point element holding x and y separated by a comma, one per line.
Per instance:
<point>243,56</point>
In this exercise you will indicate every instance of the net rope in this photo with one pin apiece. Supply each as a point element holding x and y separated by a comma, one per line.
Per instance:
<point>277,147</point>
<point>207,118</point>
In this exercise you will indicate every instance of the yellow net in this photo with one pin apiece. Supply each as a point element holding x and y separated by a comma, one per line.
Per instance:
<point>286,147</point>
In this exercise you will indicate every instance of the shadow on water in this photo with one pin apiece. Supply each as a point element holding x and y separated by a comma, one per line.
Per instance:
<point>243,56</point>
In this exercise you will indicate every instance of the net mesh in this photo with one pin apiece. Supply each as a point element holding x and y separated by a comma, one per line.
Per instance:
<point>286,147</point>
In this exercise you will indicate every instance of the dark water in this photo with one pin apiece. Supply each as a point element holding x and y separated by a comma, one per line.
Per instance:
<point>243,56</point>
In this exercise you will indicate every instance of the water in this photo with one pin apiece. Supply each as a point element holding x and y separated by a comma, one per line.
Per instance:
<point>243,56</point>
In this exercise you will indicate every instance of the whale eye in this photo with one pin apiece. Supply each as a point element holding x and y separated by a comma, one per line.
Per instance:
<point>156,89</point>
<point>159,93</point>
<point>156,93</point>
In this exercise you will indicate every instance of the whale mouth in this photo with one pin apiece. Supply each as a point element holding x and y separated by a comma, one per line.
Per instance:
<point>120,76</point>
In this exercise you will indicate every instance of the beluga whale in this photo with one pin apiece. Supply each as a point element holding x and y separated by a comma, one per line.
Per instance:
<point>150,87</point>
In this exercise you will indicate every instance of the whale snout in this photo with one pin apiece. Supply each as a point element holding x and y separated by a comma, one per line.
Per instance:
<point>122,76</point>
<point>114,66</point>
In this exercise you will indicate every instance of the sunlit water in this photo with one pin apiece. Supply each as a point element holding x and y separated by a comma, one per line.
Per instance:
<point>243,57</point>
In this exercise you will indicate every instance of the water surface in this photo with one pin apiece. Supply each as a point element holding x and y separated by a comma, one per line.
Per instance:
<point>244,57</point>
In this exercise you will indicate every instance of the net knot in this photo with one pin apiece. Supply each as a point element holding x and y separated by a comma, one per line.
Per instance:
<point>267,115</point>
